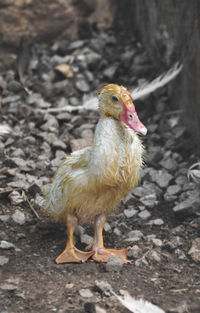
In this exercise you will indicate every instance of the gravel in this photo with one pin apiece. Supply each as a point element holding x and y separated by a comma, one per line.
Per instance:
<point>85,293</point>
<point>3,260</point>
<point>19,217</point>
<point>6,245</point>
<point>114,264</point>
<point>194,251</point>
<point>135,252</point>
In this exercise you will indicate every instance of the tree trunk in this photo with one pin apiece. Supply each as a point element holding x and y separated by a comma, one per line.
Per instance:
<point>170,31</point>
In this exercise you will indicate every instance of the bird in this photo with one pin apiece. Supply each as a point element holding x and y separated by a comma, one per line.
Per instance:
<point>90,183</point>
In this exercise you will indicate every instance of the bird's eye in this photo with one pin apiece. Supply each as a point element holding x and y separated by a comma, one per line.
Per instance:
<point>115,99</point>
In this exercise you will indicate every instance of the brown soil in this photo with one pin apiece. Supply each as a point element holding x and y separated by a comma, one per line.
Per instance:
<point>43,286</point>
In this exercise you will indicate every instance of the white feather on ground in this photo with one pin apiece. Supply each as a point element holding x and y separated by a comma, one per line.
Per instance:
<point>91,102</point>
<point>5,129</point>
<point>137,305</point>
<point>194,173</point>
<point>160,81</point>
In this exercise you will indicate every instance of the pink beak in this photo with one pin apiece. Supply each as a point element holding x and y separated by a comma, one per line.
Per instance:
<point>130,118</point>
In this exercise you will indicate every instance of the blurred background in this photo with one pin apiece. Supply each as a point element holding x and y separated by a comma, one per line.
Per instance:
<point>147,36</point>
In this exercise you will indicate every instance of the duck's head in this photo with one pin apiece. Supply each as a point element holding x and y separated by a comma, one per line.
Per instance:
<point>116,101</point>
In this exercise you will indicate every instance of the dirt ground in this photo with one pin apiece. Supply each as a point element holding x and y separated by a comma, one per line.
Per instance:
<point>39,285</point>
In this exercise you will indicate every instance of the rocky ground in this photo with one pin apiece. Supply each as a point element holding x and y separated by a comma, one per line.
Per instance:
<point>160,220</point>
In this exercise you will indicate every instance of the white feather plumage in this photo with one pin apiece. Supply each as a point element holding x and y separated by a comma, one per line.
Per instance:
<point>137,305</point>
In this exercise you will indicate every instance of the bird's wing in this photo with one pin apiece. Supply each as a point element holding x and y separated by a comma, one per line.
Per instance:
<point>71,169</point>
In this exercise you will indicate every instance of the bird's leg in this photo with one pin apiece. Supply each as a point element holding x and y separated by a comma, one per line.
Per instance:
<point>71,254</point>
<point>101,253</point>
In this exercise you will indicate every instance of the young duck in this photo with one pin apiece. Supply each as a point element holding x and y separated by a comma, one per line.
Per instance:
<point>91,182</point>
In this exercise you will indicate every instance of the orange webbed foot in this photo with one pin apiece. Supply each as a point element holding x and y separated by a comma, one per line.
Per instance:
<point>102,255</point>
<point>73,255</point>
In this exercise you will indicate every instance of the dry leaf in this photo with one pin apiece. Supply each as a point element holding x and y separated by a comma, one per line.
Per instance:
<point>65,69</point>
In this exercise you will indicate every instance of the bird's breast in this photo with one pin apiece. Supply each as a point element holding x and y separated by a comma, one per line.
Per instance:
<point>116,154</point>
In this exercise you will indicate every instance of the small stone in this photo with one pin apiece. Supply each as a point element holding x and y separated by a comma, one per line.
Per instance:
<point>3,260</point>
<point>8,287</point>
<point>161,177</point>
<point>134,235</point>
<point>88,240</point>
<point>60,154</point>
<point>149,200</point>
<point>144,214</point>
<point>141,262</point>
<point>59,144</point>
<point>169,164</point>
<point>6,245</point>
<point>154,256</point>
<point>169,198</point>
<point>79,230</point>
<point>181,180</point>
<point>117,231</point>
<point>103,286</point>
<point>69,286</point>
<point>157,221</point>
<point>173,189</point>
<point>171,193</point>
<point>15,198</point>
<point>185,208</point>
<point>82,86</point>
<point>107,227</point>
<point>178,230</point>
<point>51,125</point>
<point>99,309</point>
<point>4,218</point>
<point>194,251</point>
<point>114,264</point>
<point>157,242</point>
<point>150,237</point>
<point>75,45</point>
<point>64,117</point>
<point>180,254</point>
<point>135,252</point>
<point>93,59</point>
<point>174,243</point>
<point>130,212</point>
<point>18,153</point>
<point>85,293</point>
<point>19,217</point>
<point>14,86</point>
<point>110,71</point>
<point>177,241</point>
<point>154,154</point>
<point>74,101</point>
